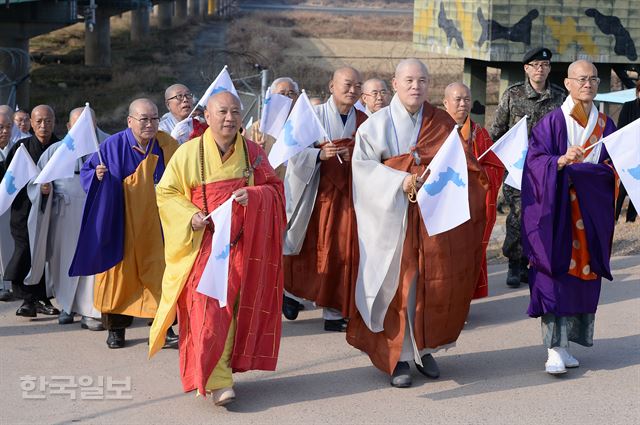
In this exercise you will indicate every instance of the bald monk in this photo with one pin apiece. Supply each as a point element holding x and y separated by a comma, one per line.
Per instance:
<point>120,237</point>
<point>457,102</point>
<point>34,296</point>
<point>244,334</point>
<point>321,251</point>
<point>375,95</point>
<point>413,290</point>
<point>179,101</point>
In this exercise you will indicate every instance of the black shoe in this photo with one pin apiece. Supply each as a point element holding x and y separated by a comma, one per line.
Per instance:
<point>429,367</point>
<point>401,377</point>
<point>513,276</point>
<point>65,318</point>
<point>91,324</point>
<point>171,340</point>
<point>290,308</point>
<point>45,307</point>
<point>27,309</point>
<point>6,296</point>
<point>115,338</point>
<point>339,325</point>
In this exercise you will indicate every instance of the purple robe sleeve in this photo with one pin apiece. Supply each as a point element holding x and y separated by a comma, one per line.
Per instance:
<point>546,210</point>
<point>101,241</point>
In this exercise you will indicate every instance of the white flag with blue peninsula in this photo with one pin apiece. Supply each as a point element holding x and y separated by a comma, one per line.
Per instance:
<point>444,196</point>
<point>221,83</point>
<point>275,110</point>
<point>511,149</point>
<point>300,130</point>
<point>214,281</point>
<point>81,140</point>
<point>21,170</point>
<point>623,147</point>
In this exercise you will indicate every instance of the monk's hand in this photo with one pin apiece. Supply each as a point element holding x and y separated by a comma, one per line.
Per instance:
<point>574,154</point>
<point>198,222</point>
<point>100,171</point>
<point>329,150</point>
<point>45,189</point>
<point>344,154</point>
<point>242,196</point>
<point>408,183</point>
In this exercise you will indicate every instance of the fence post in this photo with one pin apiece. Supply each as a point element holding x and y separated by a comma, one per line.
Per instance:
<point>263,89</point>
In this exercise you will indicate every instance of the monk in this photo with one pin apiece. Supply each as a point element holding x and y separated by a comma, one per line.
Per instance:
<point>568,206</point>
<point>321,250</point>
<point>120,239</point>
<point>413,290</point>
<point>375,95</point>
<point>244,334</point>
<point>457,102</point>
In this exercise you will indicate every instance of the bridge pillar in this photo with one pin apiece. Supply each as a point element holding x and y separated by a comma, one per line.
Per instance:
<point>140,22</point>
<point>181,12</point>
<point>165,14</point>
<point>192,8</point>
<point>97,43</point>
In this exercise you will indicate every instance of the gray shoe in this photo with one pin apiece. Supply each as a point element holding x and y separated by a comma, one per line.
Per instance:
<point>65,318</point>
<point>91,324</point>
<point>6,295</point>
<point>401,377</point>
<point>429,367</point>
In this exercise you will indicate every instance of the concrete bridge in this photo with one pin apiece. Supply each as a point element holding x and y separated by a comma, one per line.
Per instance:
<point>20,20</point>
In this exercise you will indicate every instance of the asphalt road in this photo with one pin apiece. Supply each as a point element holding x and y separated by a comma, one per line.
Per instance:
<point>495,374</point>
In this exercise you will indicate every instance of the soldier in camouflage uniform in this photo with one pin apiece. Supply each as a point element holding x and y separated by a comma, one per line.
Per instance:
<point>534,97</point>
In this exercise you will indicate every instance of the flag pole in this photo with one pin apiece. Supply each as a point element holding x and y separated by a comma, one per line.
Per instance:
<point>96,139</point>
<point>595,144</point>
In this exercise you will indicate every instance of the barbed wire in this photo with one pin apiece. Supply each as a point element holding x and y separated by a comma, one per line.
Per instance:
<point>12,63</point>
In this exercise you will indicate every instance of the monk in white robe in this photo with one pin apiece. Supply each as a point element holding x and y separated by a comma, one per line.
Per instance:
<point>6,242</point>
<point>413,290</point>
<point>54,227</point>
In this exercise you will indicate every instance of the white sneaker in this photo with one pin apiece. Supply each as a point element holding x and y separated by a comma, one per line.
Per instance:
<point>567,359</point>
<point>223,396</point>
<point>554,364</point>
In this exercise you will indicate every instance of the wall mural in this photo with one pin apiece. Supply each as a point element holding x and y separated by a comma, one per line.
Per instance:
<point>502,30</point>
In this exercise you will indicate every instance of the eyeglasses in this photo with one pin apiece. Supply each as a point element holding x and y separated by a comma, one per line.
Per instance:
<point>583,80</point>
<point>180,97</point>
<point>290,94</point>
<point>376,93</point>
<point>146,120</point>
<point>539,65</point>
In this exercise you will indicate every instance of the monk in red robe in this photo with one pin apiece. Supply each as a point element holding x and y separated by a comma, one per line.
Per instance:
<point>242,333</point>
<point>321,244</point>
<point>457,102</point>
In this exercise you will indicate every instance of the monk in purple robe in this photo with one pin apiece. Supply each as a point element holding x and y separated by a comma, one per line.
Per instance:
<point>568,201</point>
<point>120,237</point>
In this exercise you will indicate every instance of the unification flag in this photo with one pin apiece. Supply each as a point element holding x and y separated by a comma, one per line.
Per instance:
<point>301,129</point>
<point>511,149</point>
<point>444,196</point>
<point>81,140</point>
<point>221,83</point>
<point>20,172</point>
<point>275,110</point>
<point>215,276</point>
<point>624,149</point>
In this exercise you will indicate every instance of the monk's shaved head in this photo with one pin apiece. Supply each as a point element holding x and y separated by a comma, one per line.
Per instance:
<point>456,87</point>
<point>223,97</point>
<point>581,65</point>
<point>75,114</point>
<point>348,71</point>
<point>224,116</point>
<point>173,89</point>
<point>142,103</point>
<point>43,109</point>
<point>411,63</point>
<point>6,109</point>
<point>43,119</point>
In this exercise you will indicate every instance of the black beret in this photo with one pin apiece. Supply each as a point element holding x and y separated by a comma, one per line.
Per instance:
<point>538,53</point>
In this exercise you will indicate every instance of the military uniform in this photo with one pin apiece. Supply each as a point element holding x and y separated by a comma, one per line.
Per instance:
<point>517,101</point>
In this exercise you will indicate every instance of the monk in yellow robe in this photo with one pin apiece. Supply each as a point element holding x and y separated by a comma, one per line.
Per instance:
<point>218,339</point>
